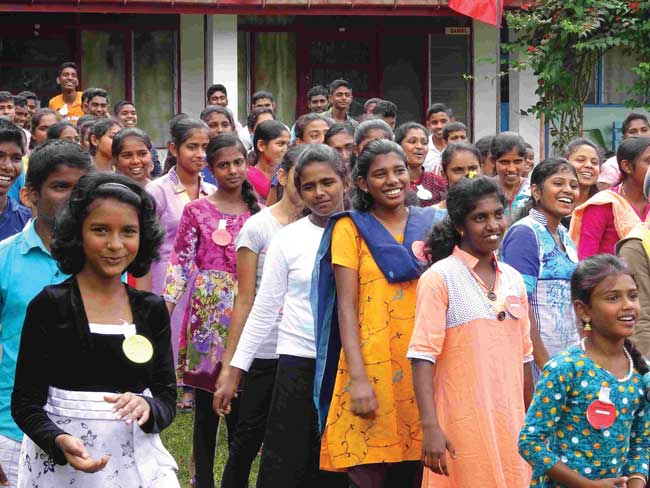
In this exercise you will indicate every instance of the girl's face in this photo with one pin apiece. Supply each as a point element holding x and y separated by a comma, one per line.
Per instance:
<point>190,156</point>
<point>229,168</point>
<point>110,236</point>
<point>128,116</point>
<point>70,134</point>
<point>614,308</point>
<point>636,172</point>
<point>509,167</point>
<point>314,132</point>
<point>105,142</point>
<point>343,143</point>
<point>558,193</point>
<point>134,159</point>
<point>322,189</point>
<point>40,131</point>
<point>460,166</point>
<point>288,183</point>
<point>587,164</point>
<point>483,227</point>
<point>218,124</point>
<point>415,145</point>
<point>274,150</point>
<point>387,181</point>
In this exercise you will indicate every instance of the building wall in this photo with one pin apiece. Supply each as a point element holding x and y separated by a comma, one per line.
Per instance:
<point>192,64</point>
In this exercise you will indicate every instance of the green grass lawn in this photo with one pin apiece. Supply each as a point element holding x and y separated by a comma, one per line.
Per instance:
<point>177,438</point>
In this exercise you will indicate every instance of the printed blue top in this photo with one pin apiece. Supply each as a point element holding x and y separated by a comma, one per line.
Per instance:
<point>557,429</point>
<point>547,274</point>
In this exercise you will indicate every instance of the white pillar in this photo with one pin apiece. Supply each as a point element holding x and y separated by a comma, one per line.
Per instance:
<point>221,55</point>
<point>192,64</point>
<point>484,105</point>
<point>522,96</point>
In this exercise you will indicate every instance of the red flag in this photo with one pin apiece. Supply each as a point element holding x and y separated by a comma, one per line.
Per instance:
<point>483,10</point>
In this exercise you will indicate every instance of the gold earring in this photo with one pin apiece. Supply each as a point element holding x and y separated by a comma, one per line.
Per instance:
<point>587,327</point>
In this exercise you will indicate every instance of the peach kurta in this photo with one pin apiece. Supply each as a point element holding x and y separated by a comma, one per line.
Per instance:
<point>478,379</point>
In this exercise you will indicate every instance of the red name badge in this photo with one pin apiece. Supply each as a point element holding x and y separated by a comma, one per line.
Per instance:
<point>221,236</point>
<point>601,413</point>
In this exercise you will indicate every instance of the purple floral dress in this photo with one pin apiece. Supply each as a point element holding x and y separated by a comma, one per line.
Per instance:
<point>210,269</point>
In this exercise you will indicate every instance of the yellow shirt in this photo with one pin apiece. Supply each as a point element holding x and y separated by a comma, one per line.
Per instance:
<point>70,113</point>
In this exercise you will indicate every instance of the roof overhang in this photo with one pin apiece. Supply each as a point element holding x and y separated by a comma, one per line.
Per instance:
<point>242,7</point>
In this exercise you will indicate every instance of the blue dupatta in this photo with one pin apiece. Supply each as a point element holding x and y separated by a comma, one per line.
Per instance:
<point>397,263</point>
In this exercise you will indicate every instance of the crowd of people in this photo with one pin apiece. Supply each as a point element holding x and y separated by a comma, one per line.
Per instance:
<point>367,305</point>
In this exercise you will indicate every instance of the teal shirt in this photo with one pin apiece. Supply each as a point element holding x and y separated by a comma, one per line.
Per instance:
<point>557,428</point>
<point>26,267</point>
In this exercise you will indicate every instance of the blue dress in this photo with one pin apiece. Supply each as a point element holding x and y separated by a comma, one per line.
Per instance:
<point>556,427</point>
<point>546,268</point>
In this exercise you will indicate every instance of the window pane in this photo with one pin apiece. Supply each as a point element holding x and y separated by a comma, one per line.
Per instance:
<point>275,70</point>
<point>404,68</point>
<point>154,82</point>
<point>243,75</point>
<point>340,52</point>
<point>40,80</point>
<point>102,62</point>
<point>449,61</point>
<point>618,76</point>
<point>33,50</point>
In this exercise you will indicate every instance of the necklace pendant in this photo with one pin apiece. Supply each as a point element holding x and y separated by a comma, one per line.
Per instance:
<point>491,296</point>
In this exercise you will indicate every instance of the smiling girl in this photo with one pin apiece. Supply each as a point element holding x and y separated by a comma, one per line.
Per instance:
<point>371,423</point>
<point>508,153</point>
<point>539,247</point>
<point>471,351</point>
<point>608,216</point>
<point>588,424</point>
<point>270,142</point>
<point>414,139</point>
<point>95,380</point>
<point>132,153</point>
<point>101,143</point>
<point>204,260</point>
<point>459,160</point>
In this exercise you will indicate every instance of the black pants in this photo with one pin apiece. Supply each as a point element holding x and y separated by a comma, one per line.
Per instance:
<point>292,441</point>
<point>407,474</point>
<point>204,443</point>
<point>253,412</point>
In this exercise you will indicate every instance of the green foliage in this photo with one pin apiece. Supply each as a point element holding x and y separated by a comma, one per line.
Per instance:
<point>563,40</point>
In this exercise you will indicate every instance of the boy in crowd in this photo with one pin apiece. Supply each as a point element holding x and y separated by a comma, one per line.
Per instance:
<point>340,98</point>
<point>21,112</point>
<point>97,104</point>
<point>7,106</point>
<point>634,125</point>
<point>218,95</point>
<point>68,103</point>
<point>438,116</point>
<point>317,99</point>
<point>263,99</point>
<point>13,215</point>
<point>33,103</point>
<point>454,132</point>
<point>54,169</point>
<point>387,111</point>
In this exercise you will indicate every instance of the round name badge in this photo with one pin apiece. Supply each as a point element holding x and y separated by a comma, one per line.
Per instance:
<point>418,251</point>
<point>137,349</point>
<point>601,413</point>
<point>423,193</point>
<point>221,236</point>
<point>514,306</point>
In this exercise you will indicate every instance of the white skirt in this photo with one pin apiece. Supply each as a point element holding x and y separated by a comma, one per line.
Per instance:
<point>137,459</point>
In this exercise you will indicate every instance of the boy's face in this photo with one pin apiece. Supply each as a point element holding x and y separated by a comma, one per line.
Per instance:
<point>32,107</point>
<point>637,128</point>
<point>341,98</point>
<point>7,109</point>
<point>68,79</point>
<point>457,136</point>
<point>11,165</point>
<point>218,98</point>
<point>21,116</point>
<point>318,103</point>
<point>436,123</point>
<point>55,191</point>
<point>264,103</point>
<point>98,106</point>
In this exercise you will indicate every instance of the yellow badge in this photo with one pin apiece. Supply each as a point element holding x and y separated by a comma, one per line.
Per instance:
<point>137,348</point>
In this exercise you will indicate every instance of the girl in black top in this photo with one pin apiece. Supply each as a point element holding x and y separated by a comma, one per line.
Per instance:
<point>95,379</point>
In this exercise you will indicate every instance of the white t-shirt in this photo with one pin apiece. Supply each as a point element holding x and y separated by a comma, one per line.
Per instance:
<point>286,282</point>
<point>256,235</point>
<point>433,160</point>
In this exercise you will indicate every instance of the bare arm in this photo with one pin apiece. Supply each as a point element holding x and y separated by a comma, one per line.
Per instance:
<point>539,350</point>
<point>529,384</point>
<point>434,442</point>
<point>363,401</point>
